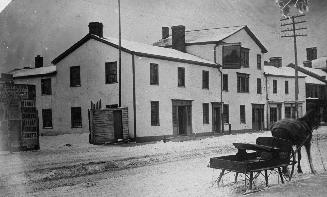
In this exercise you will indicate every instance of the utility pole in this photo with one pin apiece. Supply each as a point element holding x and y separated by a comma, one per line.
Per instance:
<point>119,49</point>
<point>294,35</point>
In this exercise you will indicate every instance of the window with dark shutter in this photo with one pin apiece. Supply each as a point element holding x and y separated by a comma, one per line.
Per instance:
<point>226,113</point>
<point>46,86</point>
<point>205,79</point>
<point>47,118</point>
<point>75,77</point>
<point>155,113</point>
<point>258,61</point>
<point>181,77</point>
<point>259,86</point>
<point>205,107</point>
<point>242,82</point>
<point>154,74</point>
<point>76,117</point>
<point>244,57</point>
<point>225,82</point>
<point>242,114</point>
<point>111,72</point>
<point>232,57</point>
<point>286,87</point>
<point>274,86</point>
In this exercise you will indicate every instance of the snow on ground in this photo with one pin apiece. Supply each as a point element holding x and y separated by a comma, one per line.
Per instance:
<point>188,177</point>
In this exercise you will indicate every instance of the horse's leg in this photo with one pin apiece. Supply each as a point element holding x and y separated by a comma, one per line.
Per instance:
<point>308,149</point>
<point>299,169</point>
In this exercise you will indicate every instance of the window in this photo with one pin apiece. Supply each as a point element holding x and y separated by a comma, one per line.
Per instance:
<point>242,82</point>
<point>226,113</point>
<point>232,56</point>
<point>274,86</point>
<point>154,74</point>
<point>111,72</point>
<point>225,82</point>
<point>242,113</point>
<point>205,79</point>
<point>47,118</point>
<point>286,87</point>
<point>181,77</point>
<point>76,117</point>
<point>258,61</point>
<point>46,86</point>
<point>259,91</point>
<point>75,77</point>
<point>205,113</point>
<point>244,57</point>
<point>155,113</point>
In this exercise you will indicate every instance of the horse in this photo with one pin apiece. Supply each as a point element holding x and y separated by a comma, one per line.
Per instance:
<point>299,133</point>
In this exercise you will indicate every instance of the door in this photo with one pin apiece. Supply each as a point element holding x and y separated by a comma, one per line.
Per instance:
<point>257,116</point>
<point>118,126</point>
<point>216,119</point>
<point>273,115</point>
<point>182,120</point>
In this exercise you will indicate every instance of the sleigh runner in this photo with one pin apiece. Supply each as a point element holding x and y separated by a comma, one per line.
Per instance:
<point>270,154</point>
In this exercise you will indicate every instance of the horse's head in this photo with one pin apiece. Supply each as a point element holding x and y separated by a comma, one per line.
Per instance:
<point>312,118</point>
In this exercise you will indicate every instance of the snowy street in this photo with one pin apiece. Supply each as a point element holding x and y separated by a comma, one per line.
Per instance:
<point>153,169</point>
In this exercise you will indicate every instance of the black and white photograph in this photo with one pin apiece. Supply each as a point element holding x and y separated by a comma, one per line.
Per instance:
<point>135,98</point>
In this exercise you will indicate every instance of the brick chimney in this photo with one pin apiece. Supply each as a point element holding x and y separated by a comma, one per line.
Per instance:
<point>96,28</point>
<point>165,32</point>
<point>311,53</point>
<point>178,37</point>
<point>38,61</point>
<point>307,63</point>
<point>276,61</point>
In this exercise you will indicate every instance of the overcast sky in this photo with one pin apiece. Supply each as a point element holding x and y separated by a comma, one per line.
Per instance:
<point>48,27</point>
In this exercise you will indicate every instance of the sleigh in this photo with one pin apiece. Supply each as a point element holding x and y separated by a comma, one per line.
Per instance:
<point>268,154</point>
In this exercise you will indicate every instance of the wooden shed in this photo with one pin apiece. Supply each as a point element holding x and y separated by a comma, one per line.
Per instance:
<point>19,128</point>
<point>108,125</point>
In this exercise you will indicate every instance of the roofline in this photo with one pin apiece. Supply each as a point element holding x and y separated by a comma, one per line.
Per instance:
<point>311,74</point>
<point>282,75</point>
<point>91,36</point>
<point>36,75</point>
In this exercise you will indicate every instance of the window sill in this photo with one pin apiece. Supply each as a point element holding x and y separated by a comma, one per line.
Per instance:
<point>155,125</point>
<point>205,88</point>
<point>47,127</point>
<point>181,86</point>
<point>76,127</point>
<point>154,84</point>
<point>75,86</point>
<point>111,83</point>
<point>244,92</point>
<point>46,94</point>
<point>225,90</point>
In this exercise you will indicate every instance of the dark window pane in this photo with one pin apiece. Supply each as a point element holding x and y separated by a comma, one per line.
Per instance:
<point>226,113</point>
<point>154,74</point>
<point>46,86</point>
<point>258,61</point>
<point>242,82</point>
<point>259,86</point>
<point>275,86</point>
<point>242,113</point>
<point>286,87</point>
<point>231,56</point>
<point>205,79</point>
<point>76,117</point>
<point>181,76</point>
<point>225,82</point>
<point>75,78</point>
<point>244,57</point>
<point>205,113</point>
<point>111,72</point>
<point>47,118</point>
<point>155,113</point>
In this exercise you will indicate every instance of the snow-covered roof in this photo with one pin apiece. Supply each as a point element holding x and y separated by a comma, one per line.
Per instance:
<point>157,51</point>
<point>281,71</point>
<point>210,35</point>
<point>27,72</point>
<point>140,49</point>
<point>320,63</point>
<point>312,80</point>
<point>316,71</point>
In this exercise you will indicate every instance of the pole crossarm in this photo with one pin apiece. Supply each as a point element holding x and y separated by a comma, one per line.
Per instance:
<point>285,24</point>
<point>288,18</point>
<point>292,36</point>
<point>302,28</point>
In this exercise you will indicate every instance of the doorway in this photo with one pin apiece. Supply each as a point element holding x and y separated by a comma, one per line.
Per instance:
<point>258,116</point>
<point>216,118</point>
<point>182,117</point>
<point>118,126</point>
